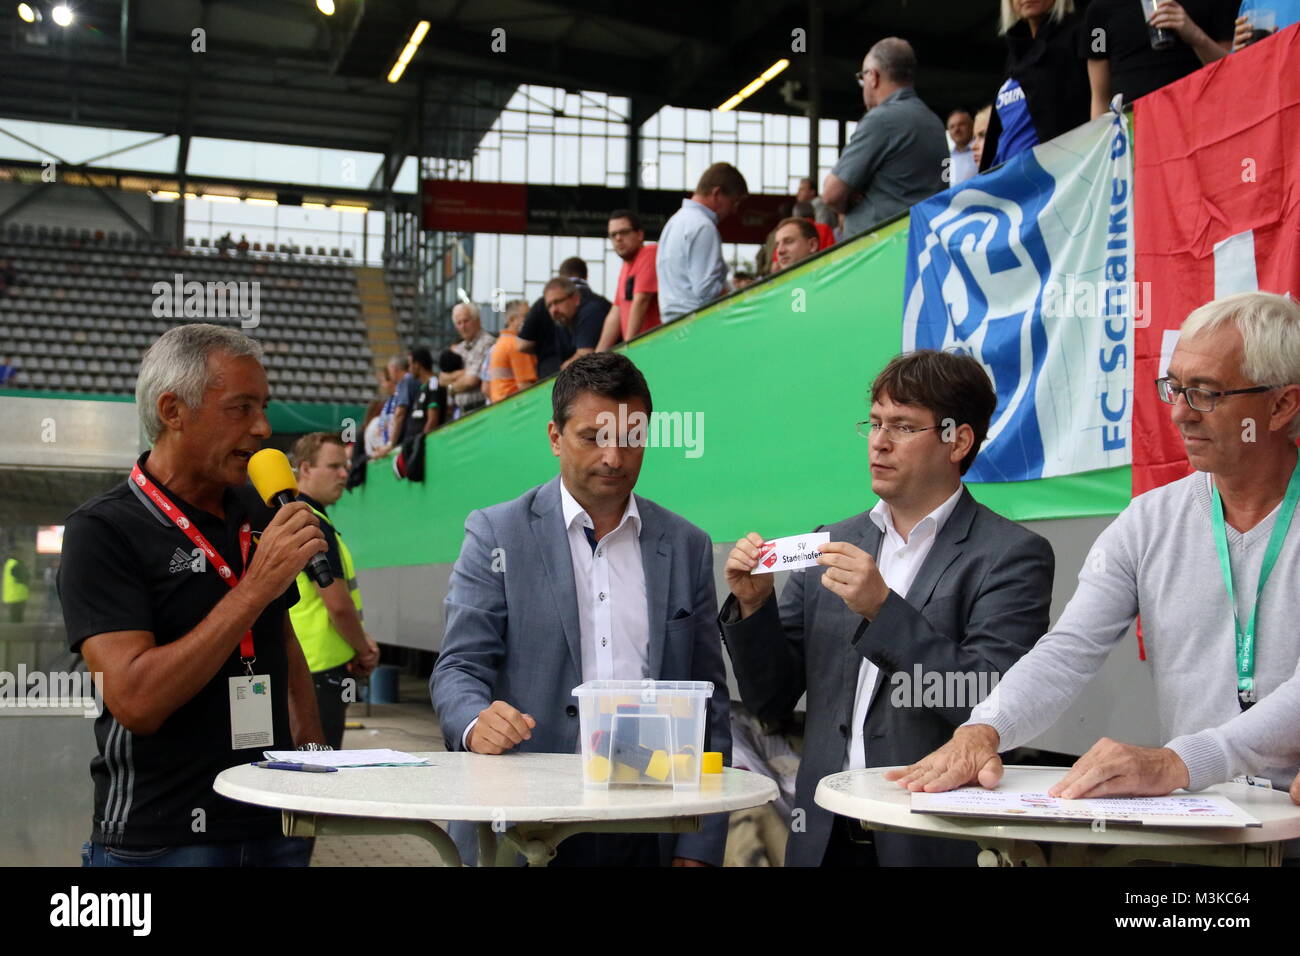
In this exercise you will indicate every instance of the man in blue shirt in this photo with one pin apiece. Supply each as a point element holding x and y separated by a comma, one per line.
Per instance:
<point>689,262</point>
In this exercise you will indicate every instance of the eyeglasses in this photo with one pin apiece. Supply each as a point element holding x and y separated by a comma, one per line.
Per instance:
<point>620,233</point>
<point>894,432</point>
<point>861,75</point>
<point>1201,399</point>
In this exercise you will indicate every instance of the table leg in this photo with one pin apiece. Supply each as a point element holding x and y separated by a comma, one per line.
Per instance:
<point>538,841</point>
<point>319,824</point>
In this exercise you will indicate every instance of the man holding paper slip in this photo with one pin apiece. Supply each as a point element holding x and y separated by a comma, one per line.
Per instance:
<point>1208,563</point>
<point>928,582</point>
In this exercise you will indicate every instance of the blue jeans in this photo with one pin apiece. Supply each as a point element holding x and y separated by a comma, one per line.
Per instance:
<point>268,851</point>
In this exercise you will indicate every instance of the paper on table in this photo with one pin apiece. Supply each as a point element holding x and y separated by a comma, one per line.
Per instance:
<point>1181,810</point>
<point>348,758</point>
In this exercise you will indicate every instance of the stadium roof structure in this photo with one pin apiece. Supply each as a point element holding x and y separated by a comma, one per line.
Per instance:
<point>280,71</point>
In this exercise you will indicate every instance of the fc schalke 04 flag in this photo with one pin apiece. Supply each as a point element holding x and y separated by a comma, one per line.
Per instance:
<point>1029,269</point>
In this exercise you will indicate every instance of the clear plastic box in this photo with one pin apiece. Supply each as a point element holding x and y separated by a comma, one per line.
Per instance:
<point>642,733</point>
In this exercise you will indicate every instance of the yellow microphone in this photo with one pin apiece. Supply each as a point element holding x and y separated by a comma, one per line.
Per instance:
<point>272,476</point>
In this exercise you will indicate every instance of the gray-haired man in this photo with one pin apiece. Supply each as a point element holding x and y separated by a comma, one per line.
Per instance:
<point>166,595</point>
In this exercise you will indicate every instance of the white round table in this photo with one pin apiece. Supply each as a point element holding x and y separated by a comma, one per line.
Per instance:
<point>883,805</point>
<point>534,801</point>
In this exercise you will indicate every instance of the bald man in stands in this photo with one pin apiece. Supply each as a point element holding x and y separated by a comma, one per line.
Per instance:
<point>899,151</point>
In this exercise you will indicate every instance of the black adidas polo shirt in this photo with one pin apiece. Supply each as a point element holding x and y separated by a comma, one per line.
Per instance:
<point>126,567</point>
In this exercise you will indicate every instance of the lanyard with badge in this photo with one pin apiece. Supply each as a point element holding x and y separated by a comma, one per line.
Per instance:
<point>251,724</point>
<point>1246,638</point>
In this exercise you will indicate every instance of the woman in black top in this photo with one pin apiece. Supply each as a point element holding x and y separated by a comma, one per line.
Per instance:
<point>1045,91</point>
<point>1117,45</point>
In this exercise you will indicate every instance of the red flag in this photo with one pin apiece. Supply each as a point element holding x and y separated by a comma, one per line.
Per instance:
<point>1216,211</point>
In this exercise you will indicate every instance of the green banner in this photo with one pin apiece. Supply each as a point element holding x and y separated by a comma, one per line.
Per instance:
<point>773,381</point>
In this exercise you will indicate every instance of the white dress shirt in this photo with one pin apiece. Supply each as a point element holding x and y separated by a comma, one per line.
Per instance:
<point>688,262</point>
<point>609,583</point>
<point>963,165</point>
<point>899,561</point>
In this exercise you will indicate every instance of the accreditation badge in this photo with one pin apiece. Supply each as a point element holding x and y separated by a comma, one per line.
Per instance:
<point>250,712</point>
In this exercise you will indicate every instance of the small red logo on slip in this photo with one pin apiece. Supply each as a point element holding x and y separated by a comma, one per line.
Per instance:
<point>767,554</point>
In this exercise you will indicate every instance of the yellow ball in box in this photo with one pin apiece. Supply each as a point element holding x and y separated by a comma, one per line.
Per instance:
<point>598,769</point>
<point>625,774</point>
<point>658,767</point>
<point>683,767</point>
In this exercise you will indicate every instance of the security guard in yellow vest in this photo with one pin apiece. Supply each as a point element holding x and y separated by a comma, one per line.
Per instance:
<point>13,589</point>
<point>328,621</point>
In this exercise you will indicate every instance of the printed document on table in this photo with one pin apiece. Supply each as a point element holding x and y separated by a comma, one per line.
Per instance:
<point>348,758</point>
<point>1177,810</point>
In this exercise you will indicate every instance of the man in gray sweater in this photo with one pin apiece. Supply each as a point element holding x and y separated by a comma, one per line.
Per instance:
<point>1220,633</point>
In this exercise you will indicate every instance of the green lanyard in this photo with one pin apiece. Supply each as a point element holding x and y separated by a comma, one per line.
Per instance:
<point>1246,639</point>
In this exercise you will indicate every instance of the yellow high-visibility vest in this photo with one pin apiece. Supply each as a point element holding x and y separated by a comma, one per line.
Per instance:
<point>322,644</point>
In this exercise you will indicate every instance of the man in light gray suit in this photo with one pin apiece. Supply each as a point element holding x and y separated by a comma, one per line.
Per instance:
<point>580,579</point>
<point>929,593</point>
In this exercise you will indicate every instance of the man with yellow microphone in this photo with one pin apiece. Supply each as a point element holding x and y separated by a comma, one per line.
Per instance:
<point>167,597</point>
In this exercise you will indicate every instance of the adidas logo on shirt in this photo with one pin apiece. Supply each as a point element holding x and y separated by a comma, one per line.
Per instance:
<point>181,561</point>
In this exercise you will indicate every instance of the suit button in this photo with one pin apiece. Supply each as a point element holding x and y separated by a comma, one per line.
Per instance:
<point>571,711</point>
<point>844,730</point>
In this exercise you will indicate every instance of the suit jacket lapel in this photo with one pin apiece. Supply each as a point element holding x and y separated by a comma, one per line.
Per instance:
<point>946,549</point>
<point>870,542</point>
<point>553,544</point>
<point>656,562</point>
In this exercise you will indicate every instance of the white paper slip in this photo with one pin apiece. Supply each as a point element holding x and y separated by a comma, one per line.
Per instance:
<point>348,758</point>
<point>1178,810</point>
<point>791,553</point>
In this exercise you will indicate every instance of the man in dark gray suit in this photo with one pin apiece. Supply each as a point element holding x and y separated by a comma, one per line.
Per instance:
<point>928,592</point>
<point>580,579</point>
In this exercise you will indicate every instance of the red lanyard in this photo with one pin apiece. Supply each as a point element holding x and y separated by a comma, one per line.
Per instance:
<point>198,540</point>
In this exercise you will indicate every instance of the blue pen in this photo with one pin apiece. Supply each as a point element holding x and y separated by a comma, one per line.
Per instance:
<point>285,765</point>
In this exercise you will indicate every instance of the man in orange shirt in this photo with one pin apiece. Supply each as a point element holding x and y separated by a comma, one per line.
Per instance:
<point>509,369</point>
<point>636,297</point>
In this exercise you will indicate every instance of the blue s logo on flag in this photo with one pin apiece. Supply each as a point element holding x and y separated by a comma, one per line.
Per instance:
<point>1014,268</point>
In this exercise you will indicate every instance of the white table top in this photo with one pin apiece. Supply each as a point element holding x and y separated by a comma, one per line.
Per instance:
<point>516,787</point>
<point>866,795</point>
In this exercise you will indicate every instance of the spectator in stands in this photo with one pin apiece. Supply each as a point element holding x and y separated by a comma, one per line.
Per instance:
<point>822,214</point>
<point>578,319</point>
<point>741,279</point>
<point>404,393</point>
<point>425,413</point>
<point>448,361</point>
<point>8,371</point>
<point>825,234</point>
<point>466,387</point>
<point>8,276</point>
<point>981,128</point>
<point>1045,92</point>
<point>961,128</point>
<point>796,240</point>
<point>636,296</point>
<point>327,621</point>
<point>509,369</point>
<point>898,152</point>
<point>242,248</point>
<point>692,272</point>
<point>537,337</point>
<point>15,589</point>
<point>1285,13</point>
<point>1120,58</point>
